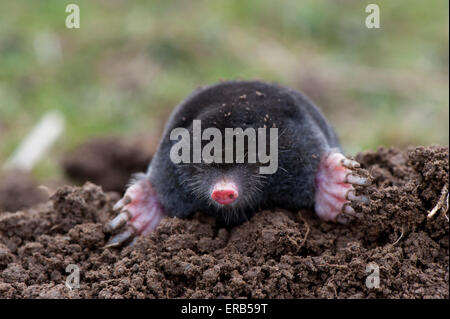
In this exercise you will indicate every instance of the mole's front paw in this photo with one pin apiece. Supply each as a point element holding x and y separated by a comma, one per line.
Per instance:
<point>139,213</point>
<point>334,187</point>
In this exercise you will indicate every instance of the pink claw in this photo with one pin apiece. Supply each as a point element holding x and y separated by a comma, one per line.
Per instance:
<point>334,187</point>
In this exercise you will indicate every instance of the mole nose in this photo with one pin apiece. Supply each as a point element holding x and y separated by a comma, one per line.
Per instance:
<point>224,193</point>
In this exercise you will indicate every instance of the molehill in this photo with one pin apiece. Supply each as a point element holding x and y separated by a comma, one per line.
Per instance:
<point>277,254</point>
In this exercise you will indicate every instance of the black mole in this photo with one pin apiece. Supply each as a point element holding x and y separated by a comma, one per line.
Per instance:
<point>311,172</point>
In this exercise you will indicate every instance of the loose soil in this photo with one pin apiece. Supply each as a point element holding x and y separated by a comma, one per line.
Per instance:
<point>277,254</point>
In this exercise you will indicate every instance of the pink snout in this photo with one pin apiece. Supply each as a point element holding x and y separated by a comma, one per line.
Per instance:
<point>225,193</point>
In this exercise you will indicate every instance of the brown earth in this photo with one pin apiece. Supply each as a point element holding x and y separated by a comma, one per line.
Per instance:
<point>19,190</point>
<point>275,255</point>
<point>109,161</point>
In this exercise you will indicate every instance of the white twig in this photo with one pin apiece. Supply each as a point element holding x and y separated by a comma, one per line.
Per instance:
<point>401,235</point>
<point>37,142</point>
<point>440,203</point>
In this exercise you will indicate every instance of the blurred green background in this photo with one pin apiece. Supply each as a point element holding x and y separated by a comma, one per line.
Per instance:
<point>131,62</point>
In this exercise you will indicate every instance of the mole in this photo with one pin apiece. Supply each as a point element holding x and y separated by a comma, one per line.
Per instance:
<point>311,171</point>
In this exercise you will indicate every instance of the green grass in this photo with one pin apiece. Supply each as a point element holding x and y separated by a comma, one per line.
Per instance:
<point>131,62</point>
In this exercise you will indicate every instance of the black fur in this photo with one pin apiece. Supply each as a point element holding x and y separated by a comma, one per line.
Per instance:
<point>304,136</point>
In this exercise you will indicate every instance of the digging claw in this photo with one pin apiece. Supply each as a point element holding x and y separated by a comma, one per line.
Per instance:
<point>120,220</point>
<point>357,180</point>
<point>334,188</point>
<point>121,238</point>
<point>348,210</point>
<point>347,214</point>
<point>350,164</point>
<point>351,195</point>
<point>139,211</point>
<point>123,202</point>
